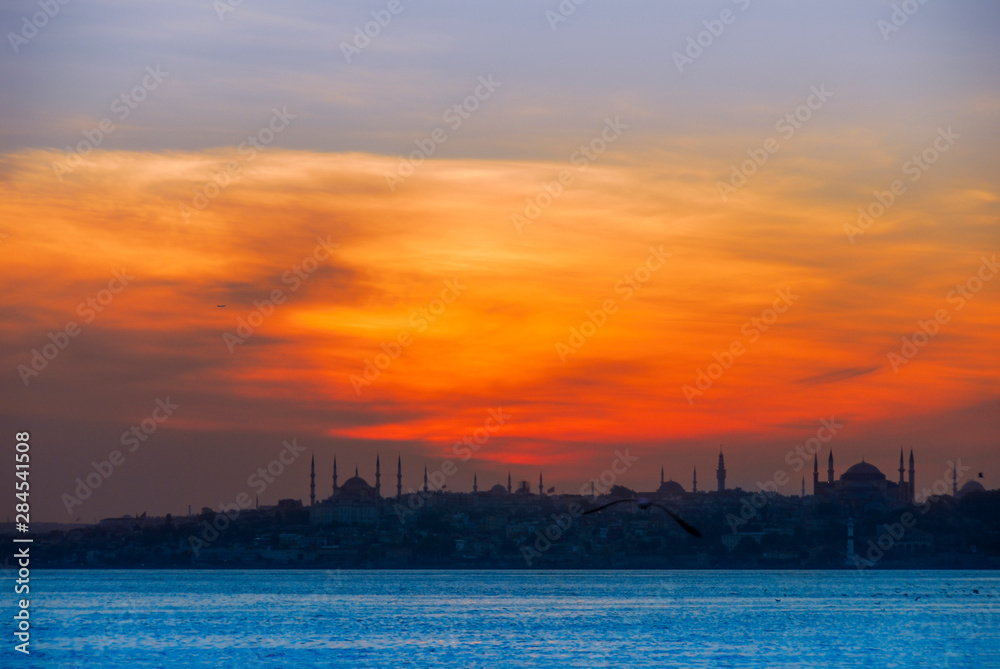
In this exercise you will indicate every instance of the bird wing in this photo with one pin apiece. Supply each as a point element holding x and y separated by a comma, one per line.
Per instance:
<point>604,506</point>
<point>690,529</point>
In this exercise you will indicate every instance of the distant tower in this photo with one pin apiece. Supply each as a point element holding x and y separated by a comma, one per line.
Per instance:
<point>541,488</point>
<point>829,469</point>
<point>954,481</point>
<point>904,494</point>
<point>815,475</point>
<point>720,474</point>
<point>508,483</point>
<point>850,542</point>
<point>378,477</point>
<point>312,482</point>
<point>399,476</point>
<point>694,481</point>
<point>803,486</point>
<point>913,480</point>
<point>425,478</point>
<point>661,474</point>
<point>475,483</point>
<point>335,474</point>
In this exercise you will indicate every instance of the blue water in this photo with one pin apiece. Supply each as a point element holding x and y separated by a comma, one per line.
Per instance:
<point>511,619</point>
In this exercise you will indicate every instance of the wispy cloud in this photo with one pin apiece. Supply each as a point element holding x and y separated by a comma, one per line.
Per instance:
<point>836,375</point>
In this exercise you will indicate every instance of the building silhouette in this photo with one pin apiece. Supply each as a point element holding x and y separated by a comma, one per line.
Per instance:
<point>720,474</point>
<point>358,502</point>
<point>355,526</point>
<point>865,483</point>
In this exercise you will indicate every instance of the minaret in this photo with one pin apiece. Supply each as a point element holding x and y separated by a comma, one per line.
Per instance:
<point>508,483</point>
<point>661,474</point>
<point>541,488</point>
<point>399,476</point>
<point>475,483</point>
<point>425,478</point>
<point>903,494</point>
<point>335,474</point>
<point>694,481</point>
<point>720,474</point>
<point>803,486</point>
<point>913,480</point>
<point>829,470</point>
<point>378,477</point>
<point>815,474</point>
<point>312,482</point>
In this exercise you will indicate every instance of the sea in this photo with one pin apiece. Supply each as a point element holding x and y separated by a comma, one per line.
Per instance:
<point>559,619</point>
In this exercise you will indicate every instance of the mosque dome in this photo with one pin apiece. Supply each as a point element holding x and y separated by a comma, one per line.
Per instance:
<point>355,484</point>
<point>863,472</point>
<point>498,490</point>
<point>970,486</point>
<point>670,488</point>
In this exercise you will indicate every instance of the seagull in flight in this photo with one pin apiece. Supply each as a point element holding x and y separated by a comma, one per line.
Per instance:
<point>980,475</point>
<point>220,305</point>
<point>644,503</point>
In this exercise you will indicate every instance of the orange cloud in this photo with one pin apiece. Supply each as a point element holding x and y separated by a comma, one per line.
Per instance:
<point>523,297</point>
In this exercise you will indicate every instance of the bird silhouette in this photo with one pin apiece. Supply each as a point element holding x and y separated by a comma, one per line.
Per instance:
<point>980,475</point>
<point>644,504</point>
<point>220,305</point>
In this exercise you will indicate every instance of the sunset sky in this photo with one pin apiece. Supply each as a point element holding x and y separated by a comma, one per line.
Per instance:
<point>249,156</point>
